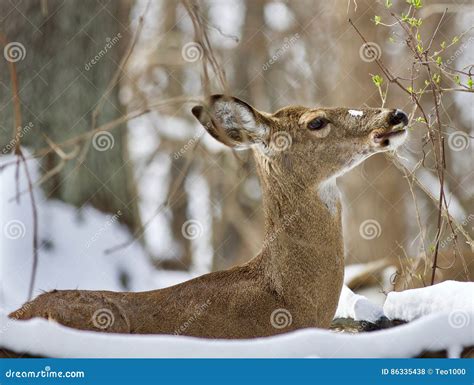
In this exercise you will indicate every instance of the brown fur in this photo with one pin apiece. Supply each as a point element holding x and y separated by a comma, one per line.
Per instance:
<point>298,274</point>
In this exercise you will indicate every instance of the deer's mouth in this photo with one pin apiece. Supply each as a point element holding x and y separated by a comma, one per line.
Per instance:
<point>390,138</point>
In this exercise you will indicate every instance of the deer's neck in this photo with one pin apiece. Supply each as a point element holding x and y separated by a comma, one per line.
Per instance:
<point>303,246</point>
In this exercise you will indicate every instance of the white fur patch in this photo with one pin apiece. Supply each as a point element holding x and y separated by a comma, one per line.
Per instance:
<point>356,113</point>
<point>329,194</point>
<point>398,140</point>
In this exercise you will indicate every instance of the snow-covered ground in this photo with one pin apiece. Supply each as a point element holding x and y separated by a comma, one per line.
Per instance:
<point>72,257</point>
<point>431,333</point>
<point>452,296</point>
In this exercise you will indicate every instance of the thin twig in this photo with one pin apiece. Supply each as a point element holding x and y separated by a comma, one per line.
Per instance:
<point>34,212</point>
<point>21,159</point>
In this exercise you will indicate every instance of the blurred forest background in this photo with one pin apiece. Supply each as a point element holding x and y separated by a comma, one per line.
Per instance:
<point>105,90</point>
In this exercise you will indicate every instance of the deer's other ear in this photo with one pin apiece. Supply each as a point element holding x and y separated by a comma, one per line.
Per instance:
<point>232,121</point>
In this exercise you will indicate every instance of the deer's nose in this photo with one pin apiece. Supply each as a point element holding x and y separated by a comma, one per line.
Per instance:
<point>397,117</point>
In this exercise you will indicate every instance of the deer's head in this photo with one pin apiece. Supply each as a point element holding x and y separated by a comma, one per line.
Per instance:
<point>312,144</point>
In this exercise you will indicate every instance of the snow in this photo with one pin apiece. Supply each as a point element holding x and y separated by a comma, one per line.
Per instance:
<point>278,16</point>
<point>353,270</point>
<point>454,297</point>
<point>357,307</point>
<point>228,17</point>
<point>433,333</point>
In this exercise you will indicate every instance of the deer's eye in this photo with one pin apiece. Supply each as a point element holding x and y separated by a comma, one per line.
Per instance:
<point>317,124</point>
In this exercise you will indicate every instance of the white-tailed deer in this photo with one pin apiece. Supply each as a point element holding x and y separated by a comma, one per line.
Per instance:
<point>295,280</point>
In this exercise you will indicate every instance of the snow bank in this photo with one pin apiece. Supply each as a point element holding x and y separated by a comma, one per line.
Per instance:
<point>356,306</point>
<point>454,297</point>
<point>433,333</point>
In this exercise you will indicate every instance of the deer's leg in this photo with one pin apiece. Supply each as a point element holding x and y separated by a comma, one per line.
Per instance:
<point>86,310</point>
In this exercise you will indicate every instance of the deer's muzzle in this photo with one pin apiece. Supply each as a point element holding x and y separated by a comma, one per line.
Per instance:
<point>395,135</point>
<point>398,117</point>
<point>384,136</point>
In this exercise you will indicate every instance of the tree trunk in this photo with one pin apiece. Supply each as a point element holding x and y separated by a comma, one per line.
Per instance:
<point>72,52</point>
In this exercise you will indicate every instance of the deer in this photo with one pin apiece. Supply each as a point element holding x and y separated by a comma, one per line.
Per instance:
<point>295,280</point>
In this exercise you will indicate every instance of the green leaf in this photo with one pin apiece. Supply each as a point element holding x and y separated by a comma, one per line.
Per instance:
<point>410,89</point>
<point>378,80</point>
<point>469,83</point>
<point>414,22</point>
<point>457,79</point>
<point>377,19</point>
<point>455,39</point>
<point>415,3</point>
<point>439,61</point>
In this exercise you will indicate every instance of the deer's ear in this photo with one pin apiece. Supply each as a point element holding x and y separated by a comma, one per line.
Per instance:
<point>232,121</point>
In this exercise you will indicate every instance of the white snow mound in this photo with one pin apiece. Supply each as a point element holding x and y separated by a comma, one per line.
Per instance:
<point>357,307</point>
<point>456,298</point>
